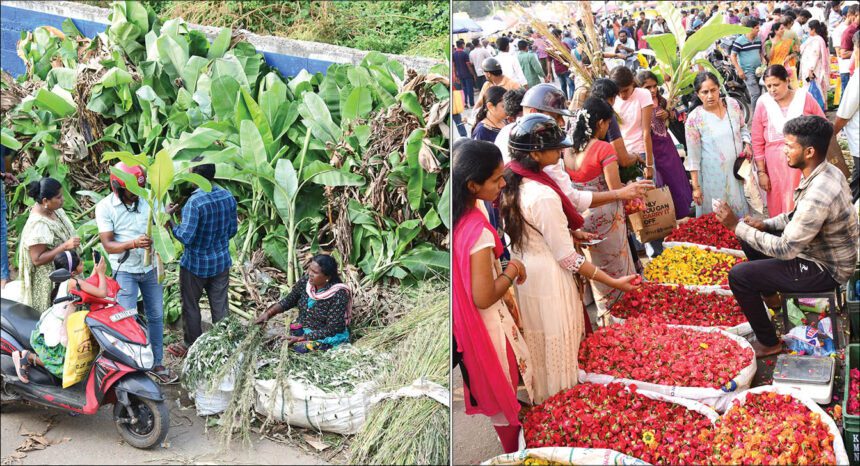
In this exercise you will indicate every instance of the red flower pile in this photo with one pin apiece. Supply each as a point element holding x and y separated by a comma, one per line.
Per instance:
<point>854,392</point>
<point>770,428</point>
<point>656,353</point>
<point>598,416</point>
<point>706,230</point>
<point>679,306</point>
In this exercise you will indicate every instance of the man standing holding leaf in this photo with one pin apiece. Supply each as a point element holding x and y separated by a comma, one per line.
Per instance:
<point>121,218</point>
<point>209,220</point>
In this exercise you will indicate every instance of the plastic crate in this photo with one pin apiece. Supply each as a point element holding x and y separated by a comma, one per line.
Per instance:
<point>851,422</point>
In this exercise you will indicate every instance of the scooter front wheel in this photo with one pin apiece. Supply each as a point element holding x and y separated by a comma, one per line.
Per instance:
<point>147,425</point>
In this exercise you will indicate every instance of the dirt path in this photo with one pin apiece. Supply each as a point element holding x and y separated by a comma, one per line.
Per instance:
<point>95,440</point>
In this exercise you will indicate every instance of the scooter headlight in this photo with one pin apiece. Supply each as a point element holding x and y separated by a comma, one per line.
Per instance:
<point>140,354</point>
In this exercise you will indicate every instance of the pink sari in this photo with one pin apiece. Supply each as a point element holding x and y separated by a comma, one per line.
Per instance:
<point>487,382</point>
<point>815,59</point>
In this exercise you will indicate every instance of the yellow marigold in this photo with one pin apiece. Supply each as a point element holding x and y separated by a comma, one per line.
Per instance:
<point>688,265</point>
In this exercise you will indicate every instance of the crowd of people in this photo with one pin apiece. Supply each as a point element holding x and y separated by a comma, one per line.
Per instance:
<point>539,184</point>
<point>49,242</point>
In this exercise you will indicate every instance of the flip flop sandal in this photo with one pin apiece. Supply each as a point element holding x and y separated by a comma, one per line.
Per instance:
<point>165,376</point>
<point>22,369</point>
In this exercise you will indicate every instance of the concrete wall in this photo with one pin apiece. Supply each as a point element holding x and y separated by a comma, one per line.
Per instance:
<point>287,55</point>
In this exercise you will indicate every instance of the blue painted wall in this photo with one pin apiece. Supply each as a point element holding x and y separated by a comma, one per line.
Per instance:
<point>15,20</point>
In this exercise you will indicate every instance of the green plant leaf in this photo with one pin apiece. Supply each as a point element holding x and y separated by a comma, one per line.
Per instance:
<point>326,175</point>
<point>286,189</point>
<point>7,139</point>
<point>421,262</point>
<point>253,149</point>
<point>710,67</point>
<point>63,77</point>
<point>69,29</point>
<point>127,158</point>
<point>665,48</point>
<point>316,116</point>
<point>172,55</point>
<point>275,250</point>
<point>431,219</point>
<point>230,66</point>
<point>163,243</point>
<point>358,104</point>
<point>225,92</point>
<point>56,102</point>
<point>160,174</point>
<point>94,196</point>
<point>707,35</point>
<point>409,100</point>
<point>200,138</point>
<point>673,21</point>
<point>196,180</point>
<point>220,44</point>
<point>247,108</point>
<point>191,72</point>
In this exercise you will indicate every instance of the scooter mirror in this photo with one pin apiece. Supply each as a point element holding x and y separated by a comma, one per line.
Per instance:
<point>60,275</point>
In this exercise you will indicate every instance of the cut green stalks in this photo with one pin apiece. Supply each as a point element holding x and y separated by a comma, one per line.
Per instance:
<point>422,349</point>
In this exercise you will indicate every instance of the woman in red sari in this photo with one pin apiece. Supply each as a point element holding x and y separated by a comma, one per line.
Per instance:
<point>488,343</point>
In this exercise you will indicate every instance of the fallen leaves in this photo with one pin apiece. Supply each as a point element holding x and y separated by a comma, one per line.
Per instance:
<point>34,441</point>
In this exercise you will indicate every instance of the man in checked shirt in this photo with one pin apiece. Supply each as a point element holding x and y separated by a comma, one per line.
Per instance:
<point>208,222</point>
<point>813,248</point>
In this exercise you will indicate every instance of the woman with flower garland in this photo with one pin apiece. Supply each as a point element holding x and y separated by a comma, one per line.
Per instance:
<point>489,347</point>
<point>593,166</point>
<point>781,103</point>
<point>710,157</point>
<point>542,225</point>
<point>667,162</point>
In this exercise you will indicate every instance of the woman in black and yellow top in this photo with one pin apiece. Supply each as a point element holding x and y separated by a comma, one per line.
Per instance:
<point>324,305</point>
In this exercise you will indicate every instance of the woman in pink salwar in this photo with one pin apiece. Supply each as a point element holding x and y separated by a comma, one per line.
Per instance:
<point>488,343</point>
<point>780,104</point>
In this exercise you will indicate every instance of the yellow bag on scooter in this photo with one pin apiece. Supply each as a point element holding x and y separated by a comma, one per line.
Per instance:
<point>80,351</point>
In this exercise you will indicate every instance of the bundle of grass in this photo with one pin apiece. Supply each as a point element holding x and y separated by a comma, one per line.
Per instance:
<point>410,430</point>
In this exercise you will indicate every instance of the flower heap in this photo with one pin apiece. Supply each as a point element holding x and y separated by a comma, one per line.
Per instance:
<point>689,265</point>
<point>608,416</point>
<point>770,428</point>
<point>706,230</point>
<point>854,392</point>
<point>652,352</point>
<point>679,306</point>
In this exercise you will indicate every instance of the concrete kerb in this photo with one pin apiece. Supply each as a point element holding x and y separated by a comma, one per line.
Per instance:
<point>290,47</point>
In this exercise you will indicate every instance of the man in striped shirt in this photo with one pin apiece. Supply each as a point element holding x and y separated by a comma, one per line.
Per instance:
<point>746,55</point>
<point>813,248</point>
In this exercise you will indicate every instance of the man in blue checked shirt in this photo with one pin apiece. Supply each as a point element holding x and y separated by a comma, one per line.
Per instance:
<point>208,222</point>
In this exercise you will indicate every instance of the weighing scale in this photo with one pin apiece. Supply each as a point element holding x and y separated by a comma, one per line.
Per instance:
<point>811,375</point>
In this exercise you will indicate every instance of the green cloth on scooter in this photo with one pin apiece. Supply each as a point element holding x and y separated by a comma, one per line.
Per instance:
<point>52,357</point>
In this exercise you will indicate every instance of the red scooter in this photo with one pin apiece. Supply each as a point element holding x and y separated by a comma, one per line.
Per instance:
<point>117,375</point>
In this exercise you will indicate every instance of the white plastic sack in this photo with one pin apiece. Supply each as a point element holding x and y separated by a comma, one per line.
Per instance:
<point>568,455</point>
<point>308,406</point>
<point>838,444</point>
<point>12,291</point>
<point>716,398</point>
<point>209,402</point>
<point>731,252</point>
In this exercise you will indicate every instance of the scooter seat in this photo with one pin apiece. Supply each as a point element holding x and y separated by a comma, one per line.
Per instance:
<point>38,375</point>
<point>19,320</point>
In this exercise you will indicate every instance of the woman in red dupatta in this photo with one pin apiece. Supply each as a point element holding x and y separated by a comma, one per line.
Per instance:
<point>489,347</point>
<point>540,219</point>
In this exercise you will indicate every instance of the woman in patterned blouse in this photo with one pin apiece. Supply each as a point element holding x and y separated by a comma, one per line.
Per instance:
<point>324,305</point>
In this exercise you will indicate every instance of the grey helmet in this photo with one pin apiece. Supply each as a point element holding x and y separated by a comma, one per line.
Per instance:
<point>491,65</point>
<point>547,98</point>
<point>536,132</point>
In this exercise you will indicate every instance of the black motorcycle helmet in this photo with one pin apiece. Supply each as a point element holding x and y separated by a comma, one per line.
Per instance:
<point>491,65</point>
<point>547,98</point>
<point>536,132</point>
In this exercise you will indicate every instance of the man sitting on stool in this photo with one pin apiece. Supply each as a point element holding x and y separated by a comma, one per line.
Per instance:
<point>813,248</point>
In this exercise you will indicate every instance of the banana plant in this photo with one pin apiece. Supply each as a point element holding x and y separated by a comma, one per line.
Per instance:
<point>676,53</point>
<point>162,175</point>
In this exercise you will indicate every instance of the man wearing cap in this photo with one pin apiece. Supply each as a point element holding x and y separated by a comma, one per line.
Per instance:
<point>493,71</point>
<point>549,100</point>
<point>121,219</point>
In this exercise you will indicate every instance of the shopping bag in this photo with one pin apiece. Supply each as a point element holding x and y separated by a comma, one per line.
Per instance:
<point>658,218</point>
<point>80,351</point>
<point>457,103</point>
<point>815,92</point>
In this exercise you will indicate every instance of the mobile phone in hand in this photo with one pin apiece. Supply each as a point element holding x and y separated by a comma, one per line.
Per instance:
<point>97,256</point>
